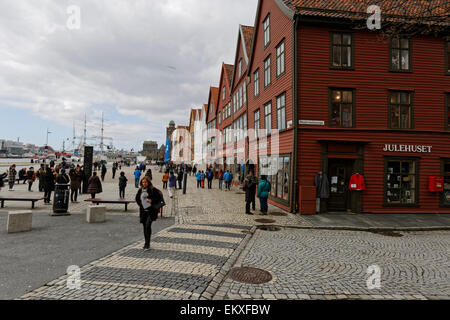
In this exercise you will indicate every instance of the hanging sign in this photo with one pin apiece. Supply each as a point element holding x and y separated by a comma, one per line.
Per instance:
<point>407,148</point>
<point>312,122</point>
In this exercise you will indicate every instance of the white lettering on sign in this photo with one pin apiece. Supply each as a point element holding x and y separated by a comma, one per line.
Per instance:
<point>407,148</point>
<point>312,122</point>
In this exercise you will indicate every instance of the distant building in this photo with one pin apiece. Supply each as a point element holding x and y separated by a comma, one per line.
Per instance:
<point>150,149</point>
<point>170,129</point>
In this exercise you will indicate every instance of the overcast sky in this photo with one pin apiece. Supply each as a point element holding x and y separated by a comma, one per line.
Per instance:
<point>142,62</point>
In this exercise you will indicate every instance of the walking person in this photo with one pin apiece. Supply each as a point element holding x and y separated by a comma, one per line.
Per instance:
<point>150,200</point>
<point>2,177</point>
<point>220,177</point>
<point>104,170</point>
<point>230,180</point>
<point>82,175</point>
<point>250,192</point>
<point>198,176</point>
<point>94,185</point>
<point>31,177</point>
<point>122,185</point>
<point>180,179</point>
<point>63,178</point>
<point>149,174</point>
<point>194,170</point>
<point>48,184</point>
<point>12,177</point>
<point>75,184</point>
<point>203,177</point>
<point>209,176</point>
<point>114,170</point>
<point>172,184</point>
<point>40,175</point>
<point>137,177</point>
<point>23,175</point>
<point>165,180</point>
<point>263,194</point>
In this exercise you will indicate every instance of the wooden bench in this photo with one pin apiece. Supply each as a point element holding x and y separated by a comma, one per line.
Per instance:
<point>22,199</point>
<point>111,201</point>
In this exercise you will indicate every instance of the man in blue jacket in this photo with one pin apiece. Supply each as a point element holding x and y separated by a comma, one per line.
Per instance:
<point>209,176</point>
<point>198,175</point>
<point>137,177</point>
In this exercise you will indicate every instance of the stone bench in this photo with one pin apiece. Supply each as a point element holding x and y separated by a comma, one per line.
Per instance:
<point>96,214</point>
<point>19,221</point>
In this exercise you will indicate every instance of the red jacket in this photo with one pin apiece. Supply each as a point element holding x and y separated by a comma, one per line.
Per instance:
<point>357,183</point>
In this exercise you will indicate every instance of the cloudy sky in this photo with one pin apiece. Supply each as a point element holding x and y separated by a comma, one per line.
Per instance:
<point>141,62</point>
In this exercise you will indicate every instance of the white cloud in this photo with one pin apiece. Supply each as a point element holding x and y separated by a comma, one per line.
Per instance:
<point>149,59</point>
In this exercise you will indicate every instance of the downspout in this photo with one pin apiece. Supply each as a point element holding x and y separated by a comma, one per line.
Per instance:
<point>294,183</point>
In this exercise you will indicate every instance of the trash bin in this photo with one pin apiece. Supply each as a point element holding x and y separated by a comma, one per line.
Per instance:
<point>61,198</point>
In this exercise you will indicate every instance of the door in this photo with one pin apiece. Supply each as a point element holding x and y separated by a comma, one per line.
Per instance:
<point>340,171</point>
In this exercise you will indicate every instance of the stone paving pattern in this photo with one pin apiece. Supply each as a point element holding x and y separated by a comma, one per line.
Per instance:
<point>192,259</point>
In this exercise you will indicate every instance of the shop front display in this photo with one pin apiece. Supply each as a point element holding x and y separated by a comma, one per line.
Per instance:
<point>401,186</point>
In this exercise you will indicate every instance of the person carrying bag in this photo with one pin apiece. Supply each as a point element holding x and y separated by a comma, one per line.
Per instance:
<point>150,201</point>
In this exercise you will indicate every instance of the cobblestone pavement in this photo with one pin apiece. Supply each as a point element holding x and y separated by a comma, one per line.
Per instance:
<point>318,264</point>
<point>183,263</point>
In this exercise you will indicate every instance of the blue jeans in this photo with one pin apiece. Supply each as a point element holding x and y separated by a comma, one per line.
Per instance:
<point>263,205</point>
<point>136,182</point>
<point>220,184</point>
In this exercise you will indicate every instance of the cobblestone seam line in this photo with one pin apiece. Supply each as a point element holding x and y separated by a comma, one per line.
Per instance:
<point>215,288</point>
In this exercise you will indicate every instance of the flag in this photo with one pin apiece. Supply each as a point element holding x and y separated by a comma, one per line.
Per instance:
<point>167,156</point>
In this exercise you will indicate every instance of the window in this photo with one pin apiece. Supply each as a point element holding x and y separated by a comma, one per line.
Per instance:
<point>223,93</point>
<point>446,175</point>
<point>280,59</point>
<point>267,72</point>
<point>281,111</point>
<point>401,182</point>
<point>447,110</point>
<point>447,55</point>
<point>400,110</point>
<point>266,28</point>
<point>277,170</point>
<point>342,108</point>
<point>220,118</point>
<point>341,50</point>
<point>240,68</point>
<point>234,103</point>
<point>268,117</point>
<point>244,94</point>
<point>256,82</point>
<point>211,107</point>
<point>400,54</point>
<point>240,97</point>
<point>257,125</point>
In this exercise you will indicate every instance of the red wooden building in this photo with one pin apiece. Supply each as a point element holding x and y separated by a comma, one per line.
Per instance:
<point>345,102</point>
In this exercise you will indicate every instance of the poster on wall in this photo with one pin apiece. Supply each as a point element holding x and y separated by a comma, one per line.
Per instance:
<point>447,198</point>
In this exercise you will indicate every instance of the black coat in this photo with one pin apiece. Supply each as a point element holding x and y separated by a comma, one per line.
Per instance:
<point>250,188</point>
<point>156,197</point>
<point>49,181</point>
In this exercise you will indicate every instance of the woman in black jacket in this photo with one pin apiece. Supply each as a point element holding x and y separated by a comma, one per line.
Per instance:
<point>149,200</point>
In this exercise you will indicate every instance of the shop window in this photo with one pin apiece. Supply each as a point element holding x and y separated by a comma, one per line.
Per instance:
<point>342,108</point>
<point>277,170</point>
<point>341,50</point>
<point>401,182</point>
<point>446,175</point>
<point>400,48</point>
<point>400,110</point>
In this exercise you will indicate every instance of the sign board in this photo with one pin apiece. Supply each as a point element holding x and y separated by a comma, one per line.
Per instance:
<point>88,159</point>
<point>407,148</point>
<point>312,122</point>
